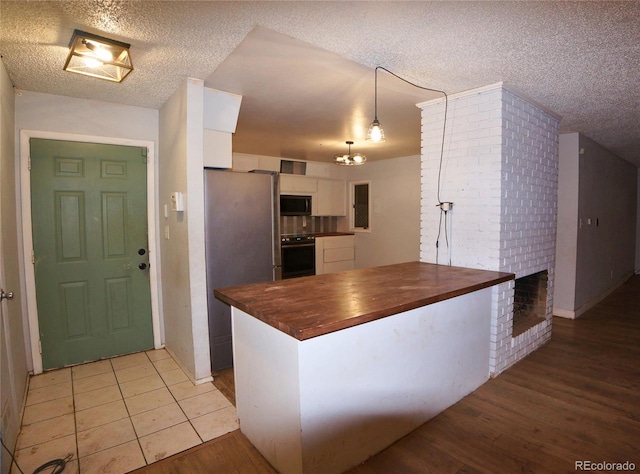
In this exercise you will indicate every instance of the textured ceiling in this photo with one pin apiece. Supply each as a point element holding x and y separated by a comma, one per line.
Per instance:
<point>305,69</point>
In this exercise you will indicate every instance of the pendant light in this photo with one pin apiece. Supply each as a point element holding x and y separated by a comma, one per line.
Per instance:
<point>375,132</point>
<point>350,159</point>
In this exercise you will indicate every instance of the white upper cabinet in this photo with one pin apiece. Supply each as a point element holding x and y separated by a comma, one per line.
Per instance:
<point>292,183</point>
<point>216,149</point>
<point>329,195</point>
<point>220,116</point>
<point>332,197</point>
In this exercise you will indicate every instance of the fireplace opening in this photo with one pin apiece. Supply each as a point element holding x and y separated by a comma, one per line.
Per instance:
<point>529,302</point>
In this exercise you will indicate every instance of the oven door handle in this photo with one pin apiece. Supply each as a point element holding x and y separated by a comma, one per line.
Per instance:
<point>291,246</point>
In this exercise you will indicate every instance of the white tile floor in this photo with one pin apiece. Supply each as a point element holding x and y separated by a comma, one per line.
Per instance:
<point>119,414</point>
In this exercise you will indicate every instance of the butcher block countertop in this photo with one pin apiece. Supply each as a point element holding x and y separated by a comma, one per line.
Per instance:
<point>332,234</point>
<point>316,305</point>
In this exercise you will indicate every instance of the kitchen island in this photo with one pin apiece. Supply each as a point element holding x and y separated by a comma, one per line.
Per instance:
<point>331,369</point>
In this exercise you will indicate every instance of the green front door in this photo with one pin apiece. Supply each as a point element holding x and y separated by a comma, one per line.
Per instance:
<point>89,216</point>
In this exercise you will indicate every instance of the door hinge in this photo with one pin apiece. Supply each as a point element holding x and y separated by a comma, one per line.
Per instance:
<point>29,163</point>
<point>40,346</point>
<point>33,257</point>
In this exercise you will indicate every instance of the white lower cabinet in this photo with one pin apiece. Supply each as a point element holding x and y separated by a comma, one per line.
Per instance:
<point>335,254</point>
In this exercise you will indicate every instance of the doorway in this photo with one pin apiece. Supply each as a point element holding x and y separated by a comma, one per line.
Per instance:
<point>96,295</point>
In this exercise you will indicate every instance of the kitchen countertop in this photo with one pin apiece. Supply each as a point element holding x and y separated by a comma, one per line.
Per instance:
<point>317,234</point>
<point>331,234</point>
<point>311,306</point>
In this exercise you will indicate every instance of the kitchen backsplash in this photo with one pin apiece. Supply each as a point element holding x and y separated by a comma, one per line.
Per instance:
<point>307,225</point>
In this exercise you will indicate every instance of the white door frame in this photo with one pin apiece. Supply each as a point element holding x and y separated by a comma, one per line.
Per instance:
<point>27,230</point>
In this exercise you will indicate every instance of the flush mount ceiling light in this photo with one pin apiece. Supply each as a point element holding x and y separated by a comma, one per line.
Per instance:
<point>350,159</point>
<point>99,57</point>
<point>375,132</point>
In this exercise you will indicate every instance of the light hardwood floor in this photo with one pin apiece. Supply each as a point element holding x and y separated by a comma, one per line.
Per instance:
<point>576,399</point>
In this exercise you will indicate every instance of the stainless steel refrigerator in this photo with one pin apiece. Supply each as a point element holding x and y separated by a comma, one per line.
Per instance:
<point>242,238</point>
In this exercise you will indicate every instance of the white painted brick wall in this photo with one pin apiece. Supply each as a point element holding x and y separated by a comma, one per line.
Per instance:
<point>500,169</point>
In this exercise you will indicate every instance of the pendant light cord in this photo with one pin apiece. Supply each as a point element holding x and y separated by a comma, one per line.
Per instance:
<point>444,129</point>
<point>444,124</point>
<point>375,95</point>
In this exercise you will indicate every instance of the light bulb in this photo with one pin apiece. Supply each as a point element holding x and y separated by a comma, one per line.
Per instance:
<point>375,133</point>
<point>103,54</point>
<point>99,51</point>
<point>92,63</point>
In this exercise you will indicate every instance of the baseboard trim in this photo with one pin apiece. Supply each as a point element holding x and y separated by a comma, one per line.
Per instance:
<point>564,313</point>
<point>576,313</point>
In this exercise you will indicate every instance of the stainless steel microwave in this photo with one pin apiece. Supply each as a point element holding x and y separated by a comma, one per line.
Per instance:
<point>293,205</point>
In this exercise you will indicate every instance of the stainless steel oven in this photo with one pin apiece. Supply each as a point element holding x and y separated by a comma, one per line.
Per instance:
<point>298,256</point>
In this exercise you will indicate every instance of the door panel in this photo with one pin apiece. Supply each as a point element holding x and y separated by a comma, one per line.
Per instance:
<point>70,227</point>
<point>89,220</point>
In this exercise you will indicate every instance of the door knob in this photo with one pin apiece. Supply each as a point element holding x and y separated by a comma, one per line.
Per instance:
<point>6,296</point>
<point>141,251</point>
<point>142,266</point>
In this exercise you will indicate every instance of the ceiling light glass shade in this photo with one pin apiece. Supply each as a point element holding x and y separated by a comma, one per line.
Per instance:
<point>95,56</point>
<point>350,159</point>
<point>375,132</point>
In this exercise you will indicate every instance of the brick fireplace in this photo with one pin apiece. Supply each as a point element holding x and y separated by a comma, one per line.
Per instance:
<point>500,169</point>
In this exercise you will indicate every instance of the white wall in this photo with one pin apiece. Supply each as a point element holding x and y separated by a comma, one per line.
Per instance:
<point>565,288</point>
<point>55,113</point>
<point>597,224</point>
<point>395,212</point>
<point>13,357</point>
<point>605,248</point>
<point>183,252</point>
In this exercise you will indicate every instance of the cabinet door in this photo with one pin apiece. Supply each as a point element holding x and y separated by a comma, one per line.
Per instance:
<point>217,149</point>
<point>335,254</point>
<point>320,255</point>
<point>332,197</point>
<point>338,241</point>
<point>297,184</point>
<point>339,266</point>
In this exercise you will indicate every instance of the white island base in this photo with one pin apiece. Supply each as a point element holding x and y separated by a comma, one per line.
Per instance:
<point>325,404</point>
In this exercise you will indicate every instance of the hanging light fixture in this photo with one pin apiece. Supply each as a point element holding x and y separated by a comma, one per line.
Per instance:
<point>350,159</point>
<point>95,56</point>
<point>375,132</point>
